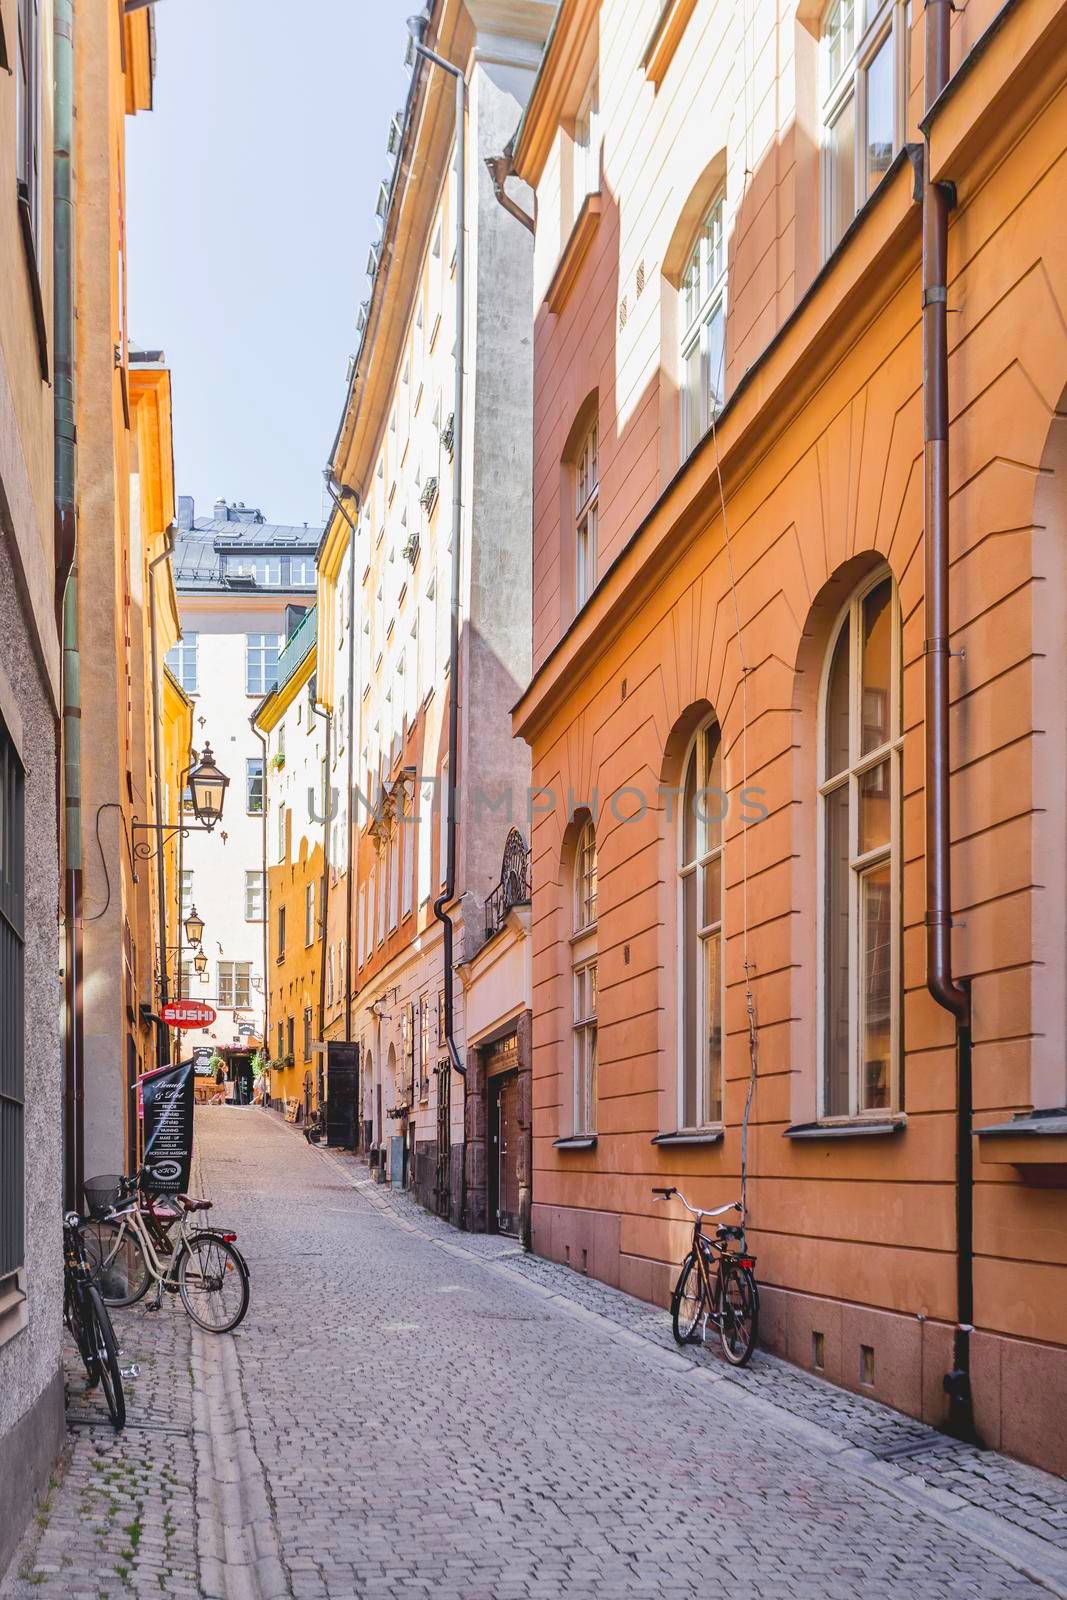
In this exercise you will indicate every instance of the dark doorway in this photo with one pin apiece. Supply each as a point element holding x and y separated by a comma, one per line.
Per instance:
<point>504,1154</point>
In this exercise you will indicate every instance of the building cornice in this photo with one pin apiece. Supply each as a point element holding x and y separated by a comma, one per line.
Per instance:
<point>557,84</point>
<point>270,711</point>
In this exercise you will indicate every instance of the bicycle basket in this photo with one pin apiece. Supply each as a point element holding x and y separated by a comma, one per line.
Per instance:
<point>102,1194</point>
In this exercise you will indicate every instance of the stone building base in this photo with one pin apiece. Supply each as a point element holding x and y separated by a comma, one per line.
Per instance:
<point>28,1453</point>
<point>1019,1386</point>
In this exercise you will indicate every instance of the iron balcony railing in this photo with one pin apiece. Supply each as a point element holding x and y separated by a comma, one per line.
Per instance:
<point>296,647</point>
<point>515,886</point>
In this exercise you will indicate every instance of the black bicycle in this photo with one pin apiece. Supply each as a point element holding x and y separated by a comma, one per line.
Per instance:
<point>717,1284</point>
<point>87,1317</point>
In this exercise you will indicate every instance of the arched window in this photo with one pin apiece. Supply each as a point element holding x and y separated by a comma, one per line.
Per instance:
<point>584,981</point>
<point>586,509</point>
<point>703,321</point>
<point>859,789</point>
<point>700,924</point>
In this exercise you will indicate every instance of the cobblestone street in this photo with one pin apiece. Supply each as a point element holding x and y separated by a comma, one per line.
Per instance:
<point>409,1411</point>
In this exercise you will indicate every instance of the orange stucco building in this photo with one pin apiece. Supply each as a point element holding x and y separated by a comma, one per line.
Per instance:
<point>730,603</point>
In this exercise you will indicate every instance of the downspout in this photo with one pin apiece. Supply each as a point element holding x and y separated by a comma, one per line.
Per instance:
<point>501,168</point>
<point>266,903</point>
<point>66,536</point>
<point>338,500</point>
<point>327,717</point>
<point>162,1032</point>
<point>954,996</point>
<point>447,894</point>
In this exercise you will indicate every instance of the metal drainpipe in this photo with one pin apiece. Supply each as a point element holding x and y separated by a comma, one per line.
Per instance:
<point>954,996</point>
<point>266,906</point>
<point>338,500</point>
<point>162,1032</point>
<point>66,536</point>
<point>448,893</point>
<point>327,717</point>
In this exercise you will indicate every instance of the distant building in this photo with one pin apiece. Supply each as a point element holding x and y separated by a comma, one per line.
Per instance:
<point>244,585</point>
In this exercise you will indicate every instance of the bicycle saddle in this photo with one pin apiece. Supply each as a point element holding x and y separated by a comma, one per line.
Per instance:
<point>194,1205</point>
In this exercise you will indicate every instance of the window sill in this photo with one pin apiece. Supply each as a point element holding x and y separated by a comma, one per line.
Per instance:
<point>574,253</point>
<point>580,935</point>
<point>576,1141</point>
<point>1034,1139</point>
<point>859,1129</point>
<point>665,38</point>
<point>682,1138</point>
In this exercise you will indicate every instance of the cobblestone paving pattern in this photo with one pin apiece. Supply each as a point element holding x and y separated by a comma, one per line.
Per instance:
<point>1031,1500</point>
<point>423,1426</point>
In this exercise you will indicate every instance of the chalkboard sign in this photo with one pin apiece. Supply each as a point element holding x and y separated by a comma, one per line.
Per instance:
<point>167,1108</point>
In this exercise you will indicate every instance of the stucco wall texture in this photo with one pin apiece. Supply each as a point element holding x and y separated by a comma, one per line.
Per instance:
<point>821,451</point>
<point>31,1388</point>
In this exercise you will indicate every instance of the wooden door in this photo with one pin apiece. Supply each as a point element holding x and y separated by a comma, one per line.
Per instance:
<point>507,1132</point>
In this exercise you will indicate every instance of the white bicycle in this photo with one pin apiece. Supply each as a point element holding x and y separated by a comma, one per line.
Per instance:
<point>133,1240</point>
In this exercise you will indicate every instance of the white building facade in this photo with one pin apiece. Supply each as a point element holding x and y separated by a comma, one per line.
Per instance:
<point>243,584</point>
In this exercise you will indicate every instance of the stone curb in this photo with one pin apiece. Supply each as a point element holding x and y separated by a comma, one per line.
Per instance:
<point>1027,1554</point>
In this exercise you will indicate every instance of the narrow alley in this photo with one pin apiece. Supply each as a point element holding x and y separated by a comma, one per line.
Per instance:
<point>404,1415</point>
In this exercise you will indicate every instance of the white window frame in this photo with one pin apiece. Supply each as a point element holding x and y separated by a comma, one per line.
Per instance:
<point>708,854</point>
<point>586,168</point>
<point>702,300</point>
<point>183,660</point>
<point>586,514</point>
<point>259,647</point>
<point>252,779</point>
<point>309,914</point>
<point>861,864</point>
<point>584,1034</point>
<point>889,18</point>
<point>253,895</point>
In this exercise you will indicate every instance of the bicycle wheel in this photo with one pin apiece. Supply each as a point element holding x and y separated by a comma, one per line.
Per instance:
<point>737,1310</point>
<point>80,1323</point>
<point>212,1283</point>
<point>687,1301</point>
<point>107,1356</point>
<point>116,1257</point>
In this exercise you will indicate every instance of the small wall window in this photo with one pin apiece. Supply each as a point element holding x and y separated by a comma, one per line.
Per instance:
<point>703,319</point>
<point>860,754</point>
<point>700,922</point>
<point>309,914</point>
<point>235,985</point>
<point>254,785</point>
<point>281,932</point>
<point>586,502</point>
<point>864,75</point>
<point>182,661</point>
<point>261,662</point>
<point>28,113</point>
<point>253,897</point>
<point>584,982</point>
<point>587,147</point>
<point>12,1010</point>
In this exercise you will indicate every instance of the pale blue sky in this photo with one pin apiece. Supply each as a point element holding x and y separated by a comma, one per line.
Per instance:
<point>250,211</point>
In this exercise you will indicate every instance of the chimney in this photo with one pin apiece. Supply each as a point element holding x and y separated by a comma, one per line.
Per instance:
<point>186,511</point>
<point>222,511</point>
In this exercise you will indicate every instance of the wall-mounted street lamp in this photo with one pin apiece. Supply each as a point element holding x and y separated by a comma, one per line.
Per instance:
<point>194,927</point>
<point>200,963</point>
<point>207,787</point>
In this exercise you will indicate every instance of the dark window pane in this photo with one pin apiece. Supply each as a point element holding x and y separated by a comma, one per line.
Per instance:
<point>689,1000</point>
<point>877,667</point>
<point>837,954</point>
<point>837,706</point>
<point>876,934</point>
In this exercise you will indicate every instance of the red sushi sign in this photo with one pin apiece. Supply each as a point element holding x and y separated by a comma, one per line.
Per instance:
<point>187,1014</point>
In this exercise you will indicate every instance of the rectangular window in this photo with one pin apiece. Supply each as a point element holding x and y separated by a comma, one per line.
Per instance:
<point>261,662</point>
<point>864,89</point>
<point>585,1048</point>
<point>281,932</point>
<point>182,660</point>
<point>185,901</point>
<point>254,785</point>
<point>379,883</point>
<point>425,839</point>
<point>587,148</point>
<point>281,833</point>
<point>235,985</point>
<point>361,926</point>
<point>703,353</point>
<point>253,897</point>
<point>307,1033</point>
<point>28,113</point>
<point>309,914</point>
<point>442,815</point>
<point>407,848</point>
<point>394,877</point>
<point>12,1007</point>
<point>586,496</point>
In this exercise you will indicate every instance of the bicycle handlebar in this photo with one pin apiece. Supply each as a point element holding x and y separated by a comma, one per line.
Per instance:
<point>697,1211</point>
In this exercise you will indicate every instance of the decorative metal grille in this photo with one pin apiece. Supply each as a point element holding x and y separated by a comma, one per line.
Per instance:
<point>515,884</point>
<point>12,1016</point>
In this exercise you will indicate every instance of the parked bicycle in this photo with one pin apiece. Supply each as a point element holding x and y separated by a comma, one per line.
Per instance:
<point>134,1239</point>
<point>717,1284</point>
<point>86,1315</point>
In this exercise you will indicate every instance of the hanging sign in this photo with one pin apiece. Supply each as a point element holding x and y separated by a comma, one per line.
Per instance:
<point>187,1014</point>
<point>166,1100</point>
